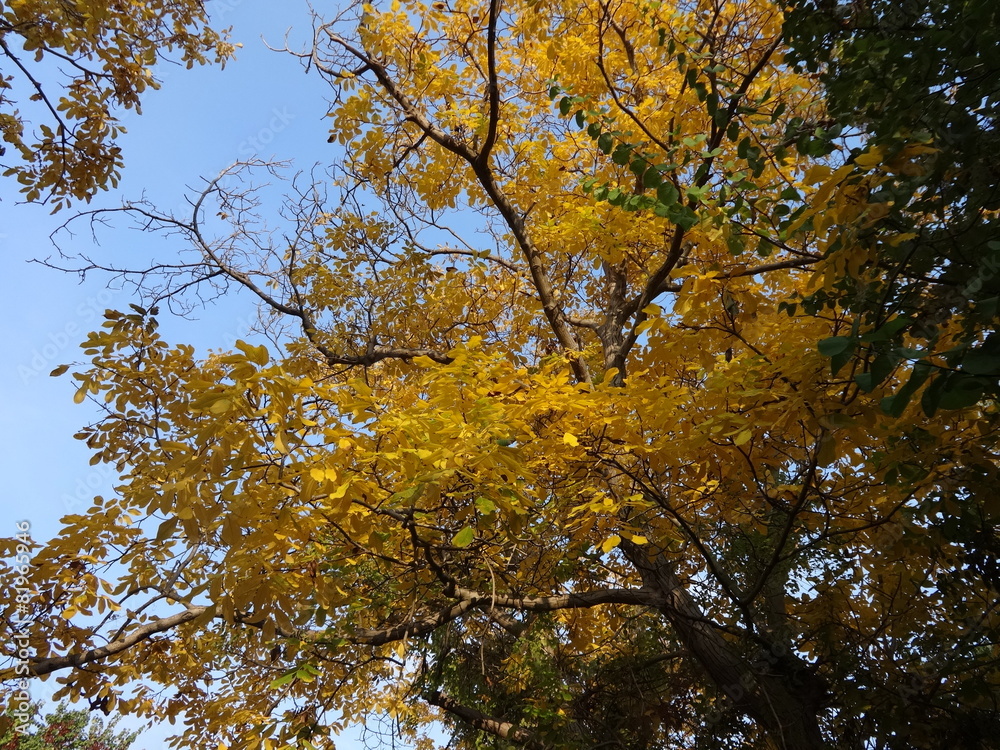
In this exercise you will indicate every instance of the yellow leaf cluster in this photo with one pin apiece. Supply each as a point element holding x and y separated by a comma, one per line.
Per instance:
<point>104,52</point>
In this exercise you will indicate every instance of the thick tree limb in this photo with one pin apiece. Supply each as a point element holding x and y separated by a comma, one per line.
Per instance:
<point>468,600</point>
<point>636,597</point>
<point>55,663</point>
<point>503,729</point>
<point>414,627</point>
<point>767,692</point>
<point>492,87</point>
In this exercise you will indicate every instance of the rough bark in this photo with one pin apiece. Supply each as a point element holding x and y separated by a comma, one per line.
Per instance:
<point>776,692</point>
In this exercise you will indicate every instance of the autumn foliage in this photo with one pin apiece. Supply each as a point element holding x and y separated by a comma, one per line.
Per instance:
<point>564,446</point>
<point>62,138</point>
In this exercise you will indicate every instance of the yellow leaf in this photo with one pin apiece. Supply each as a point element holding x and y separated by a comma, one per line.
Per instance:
<point>279,443</point>
<point>610,543</point>
<point>870,159</point>
<point>221,406</point>
<point>816,174</point>
<point>570,439</point>
<point>827,450</point>
<point>742,438</point>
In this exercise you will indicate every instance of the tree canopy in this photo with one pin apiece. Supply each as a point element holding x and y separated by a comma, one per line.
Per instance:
<point>587,416</point>
<point>907,78</point>
<point>65,729</point>
<point>70,67</point>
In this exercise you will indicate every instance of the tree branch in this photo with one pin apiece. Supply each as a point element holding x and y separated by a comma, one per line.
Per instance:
<point>503,729</point>
<point>638,597</point>
<point>55,663</point>
<point>492,87</point>
<point>480,166</point>
<point>469,600</point>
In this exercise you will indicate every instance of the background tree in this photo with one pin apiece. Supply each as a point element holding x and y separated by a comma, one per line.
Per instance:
<point>920,95</point>
<point>67,729</point>
<point>68,66</point>
<point>919,268</point>
<point>564,475</point>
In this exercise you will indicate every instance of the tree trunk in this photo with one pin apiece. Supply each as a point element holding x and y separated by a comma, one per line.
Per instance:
<point>778,692</point>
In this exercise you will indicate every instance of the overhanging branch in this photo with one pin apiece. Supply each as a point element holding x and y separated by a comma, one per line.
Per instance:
<point>498,727</point>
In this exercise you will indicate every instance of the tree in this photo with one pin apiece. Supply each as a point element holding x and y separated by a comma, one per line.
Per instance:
<point>569,477</point>
<point>920,94</point>
<point>100,56</point>
<point>66,729</point>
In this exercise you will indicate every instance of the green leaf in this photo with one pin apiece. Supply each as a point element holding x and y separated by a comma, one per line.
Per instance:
<point>697,193</point>
<point>837,361</point>
<point>622,154</point>
<point>866,381</point>
<point>896,404</point>
<point>961,392</point>
<point>887,330</point>
<point>883,366</point>
<point>606,142</point>
<point>930,401</point>
<point>464,538</point>
<point>836,345</point>
<point>682,216</point>
<point>667,194</point>
<point>651,178</point>
<point>284,679</point>
<point>485,506</point>
<point>978,362</point>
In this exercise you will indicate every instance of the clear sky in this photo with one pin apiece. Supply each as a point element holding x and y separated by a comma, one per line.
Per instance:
<point>199,122</point>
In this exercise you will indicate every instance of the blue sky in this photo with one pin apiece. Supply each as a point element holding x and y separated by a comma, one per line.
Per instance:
<point>198,123</point>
